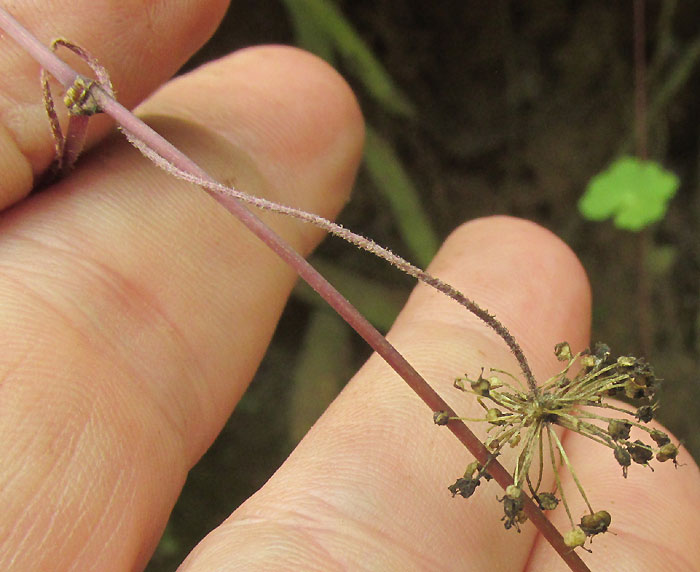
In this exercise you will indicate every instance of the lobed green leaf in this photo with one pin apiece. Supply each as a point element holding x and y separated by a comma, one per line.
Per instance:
<point>635,192</point>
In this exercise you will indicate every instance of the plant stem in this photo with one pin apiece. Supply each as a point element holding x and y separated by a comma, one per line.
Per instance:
<point>132,125</point>
<point>338,230</point>
<point>640,90</point>
<point>644,314</point>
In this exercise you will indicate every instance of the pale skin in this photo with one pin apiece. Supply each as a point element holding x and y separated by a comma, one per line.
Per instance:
<point>135,311</point>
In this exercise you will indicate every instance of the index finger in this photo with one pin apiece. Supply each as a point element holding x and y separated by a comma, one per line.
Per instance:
<point>136,309</point>
<point>367,487</point>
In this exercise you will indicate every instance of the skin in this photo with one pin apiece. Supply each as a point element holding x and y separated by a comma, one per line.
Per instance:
<point>135,311</point>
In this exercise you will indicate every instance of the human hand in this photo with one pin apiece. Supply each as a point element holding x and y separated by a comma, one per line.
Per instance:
<point>135,311</point>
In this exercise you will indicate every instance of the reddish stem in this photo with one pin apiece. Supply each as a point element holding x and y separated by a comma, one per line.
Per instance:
<point>640,90</point>
<point>347,311</point>
<point>644,315</point>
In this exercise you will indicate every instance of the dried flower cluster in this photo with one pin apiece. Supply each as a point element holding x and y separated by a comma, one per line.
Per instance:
<point>525,418</point>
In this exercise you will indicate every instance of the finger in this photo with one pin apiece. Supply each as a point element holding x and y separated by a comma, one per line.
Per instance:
<point>367,487</point>
<point>135,309</point>
<point>141,44</point>
<point>653,521</point>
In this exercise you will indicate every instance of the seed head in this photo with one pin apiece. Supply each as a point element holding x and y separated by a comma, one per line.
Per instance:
<point>563,351</point>
<point>513,509</point>
<point>547,501</point>
<point>645,413</point>
<point>667,452</point>
<point>640,452</point>
<point>575,399</point>
<point>619,429</point>
<point>575,537</point>
<point>595,523</point>
<point>659,437</point>
<point>481,386</point>
<point>464,486</point>
<point>623,457</point>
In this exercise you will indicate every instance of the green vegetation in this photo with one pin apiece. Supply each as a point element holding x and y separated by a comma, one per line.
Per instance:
<point>635,192</point>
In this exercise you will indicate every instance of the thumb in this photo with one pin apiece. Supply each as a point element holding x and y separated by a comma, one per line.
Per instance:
<point>135,309</point>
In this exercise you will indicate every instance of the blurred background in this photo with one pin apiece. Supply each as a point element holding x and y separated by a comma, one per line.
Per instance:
<point>475,108</point>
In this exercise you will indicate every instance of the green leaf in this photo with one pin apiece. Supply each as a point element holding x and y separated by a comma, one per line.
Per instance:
<point>308,34</point>
<point>322,28</point>
<point>635,192</point>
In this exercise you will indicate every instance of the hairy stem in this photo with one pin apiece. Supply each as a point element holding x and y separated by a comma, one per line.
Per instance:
<point>340,231</point>
<point>160,147</point>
